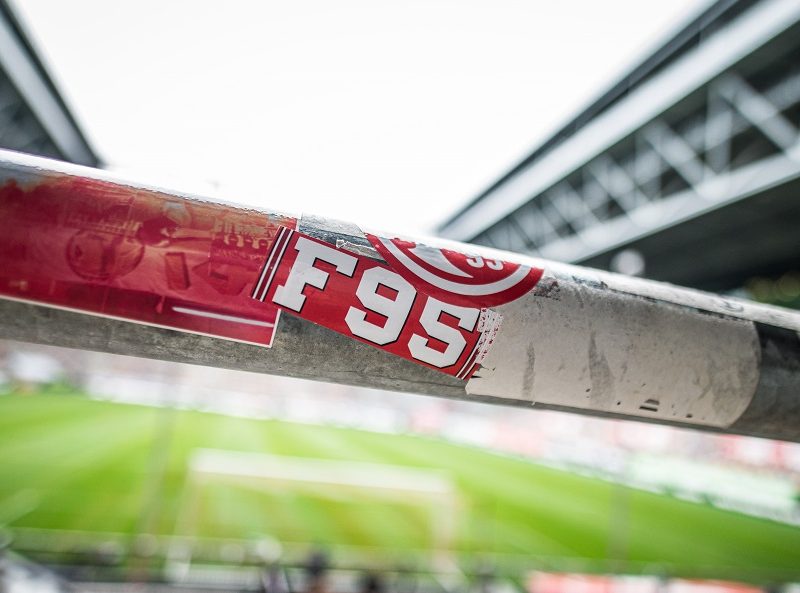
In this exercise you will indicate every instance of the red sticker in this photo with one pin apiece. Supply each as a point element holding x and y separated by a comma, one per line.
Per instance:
<point>468,280</point>
<point>134,254</point>
<point>361,298</point>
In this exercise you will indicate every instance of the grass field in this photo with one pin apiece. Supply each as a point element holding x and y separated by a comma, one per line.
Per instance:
<point>70,463</point>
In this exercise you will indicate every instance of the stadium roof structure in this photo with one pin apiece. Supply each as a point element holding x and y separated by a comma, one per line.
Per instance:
<point>690,158</point>
<point>34,117</point>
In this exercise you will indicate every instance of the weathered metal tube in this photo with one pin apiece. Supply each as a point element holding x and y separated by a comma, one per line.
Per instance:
<point>92,262</point>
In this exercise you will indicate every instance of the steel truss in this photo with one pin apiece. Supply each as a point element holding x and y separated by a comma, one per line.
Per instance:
<point>731,135</point>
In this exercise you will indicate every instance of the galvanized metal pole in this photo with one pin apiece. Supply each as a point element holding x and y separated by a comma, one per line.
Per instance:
<point>92,262</point>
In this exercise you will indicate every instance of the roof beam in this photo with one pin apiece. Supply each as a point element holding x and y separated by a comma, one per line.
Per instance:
<point>29,80</point>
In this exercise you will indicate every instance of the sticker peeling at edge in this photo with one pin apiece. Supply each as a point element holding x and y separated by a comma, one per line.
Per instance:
<point>488,325</point>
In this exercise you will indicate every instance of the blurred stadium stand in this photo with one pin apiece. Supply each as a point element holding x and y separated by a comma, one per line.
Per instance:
<point>690,164</point>
<point>33,115</point>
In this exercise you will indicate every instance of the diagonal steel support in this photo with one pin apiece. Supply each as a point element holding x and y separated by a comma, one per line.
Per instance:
<point>760,111</point>
<point>619,184</point>
<point>678,153</point>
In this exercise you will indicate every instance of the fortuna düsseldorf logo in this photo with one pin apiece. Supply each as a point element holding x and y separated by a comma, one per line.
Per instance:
<point>467,280</point>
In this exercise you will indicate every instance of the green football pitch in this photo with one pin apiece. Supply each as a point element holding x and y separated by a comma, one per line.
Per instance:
<point>71,465</point>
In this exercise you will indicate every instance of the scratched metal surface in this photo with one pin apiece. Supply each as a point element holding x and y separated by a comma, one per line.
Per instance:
<point>583,341</point>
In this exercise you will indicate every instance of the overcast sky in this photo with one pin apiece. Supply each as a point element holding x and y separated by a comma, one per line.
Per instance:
<point>391,114</point>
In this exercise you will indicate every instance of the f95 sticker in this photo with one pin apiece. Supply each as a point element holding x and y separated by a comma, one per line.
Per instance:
<point>361,298</point>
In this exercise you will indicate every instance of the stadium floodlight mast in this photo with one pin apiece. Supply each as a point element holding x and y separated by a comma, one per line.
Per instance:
<point>94,262</point>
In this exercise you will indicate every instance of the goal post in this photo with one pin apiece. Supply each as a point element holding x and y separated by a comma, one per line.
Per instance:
<point>432,490</point>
